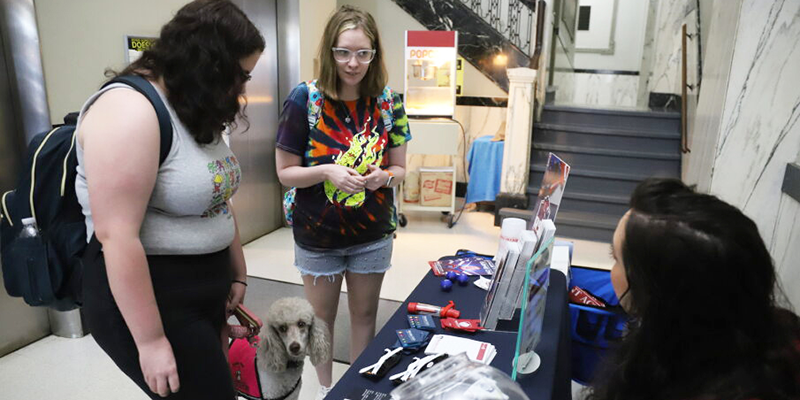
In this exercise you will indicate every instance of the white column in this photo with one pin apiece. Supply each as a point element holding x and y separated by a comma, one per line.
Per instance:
<point>519,126</point>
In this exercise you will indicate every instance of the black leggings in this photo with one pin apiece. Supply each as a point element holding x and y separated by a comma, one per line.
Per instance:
<point>191,292</point>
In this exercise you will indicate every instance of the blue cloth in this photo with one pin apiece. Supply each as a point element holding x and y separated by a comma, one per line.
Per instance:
<point>485,159</point>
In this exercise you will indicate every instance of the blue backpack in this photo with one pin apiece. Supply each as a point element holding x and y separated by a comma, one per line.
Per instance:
<point>314,105</point>
<point>45,269</point>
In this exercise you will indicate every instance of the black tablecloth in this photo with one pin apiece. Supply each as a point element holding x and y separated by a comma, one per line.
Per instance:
<point>550,381</point>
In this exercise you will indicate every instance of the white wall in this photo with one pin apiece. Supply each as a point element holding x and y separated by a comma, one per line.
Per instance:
<point>313,16</point>
<point>80,39</point>
<point>393,21</point>
<point>628,37</point>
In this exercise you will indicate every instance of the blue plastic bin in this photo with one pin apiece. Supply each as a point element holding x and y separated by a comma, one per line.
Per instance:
<point>593,329</point>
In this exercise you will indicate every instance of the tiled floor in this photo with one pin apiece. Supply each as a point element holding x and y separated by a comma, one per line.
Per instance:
<point>70,369</point>
<point>425,238</point>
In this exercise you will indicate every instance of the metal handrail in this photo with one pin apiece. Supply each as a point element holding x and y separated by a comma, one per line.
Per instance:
<point>537,50</point>
<point>684,85</point>
<point>518,25</point>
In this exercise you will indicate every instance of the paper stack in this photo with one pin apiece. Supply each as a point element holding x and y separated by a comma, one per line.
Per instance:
<point>496,296</point>
<point>482,352</point>
<point>513,288</point>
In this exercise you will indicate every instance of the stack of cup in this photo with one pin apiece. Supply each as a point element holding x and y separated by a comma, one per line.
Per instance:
<point>510,232</point>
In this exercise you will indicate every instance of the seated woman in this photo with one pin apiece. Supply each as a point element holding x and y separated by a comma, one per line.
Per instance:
<point>699,283</point>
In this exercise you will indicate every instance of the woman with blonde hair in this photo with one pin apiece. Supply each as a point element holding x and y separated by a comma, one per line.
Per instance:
<point>342,144</point>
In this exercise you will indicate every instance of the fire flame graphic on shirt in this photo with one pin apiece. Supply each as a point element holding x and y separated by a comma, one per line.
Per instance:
<point>366,148</point>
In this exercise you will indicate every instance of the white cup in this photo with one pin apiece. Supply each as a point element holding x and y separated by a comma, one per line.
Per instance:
<point>510,232</point>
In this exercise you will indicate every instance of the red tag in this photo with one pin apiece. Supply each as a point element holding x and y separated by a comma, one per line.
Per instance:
<point>468,325</point>
<point>581,296</point>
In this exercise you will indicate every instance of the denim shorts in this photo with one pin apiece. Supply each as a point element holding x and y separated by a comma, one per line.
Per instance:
<point>368,258</point>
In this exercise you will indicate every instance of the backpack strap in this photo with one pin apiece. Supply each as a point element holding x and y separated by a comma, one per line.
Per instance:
<point>144,87</point>
<point>314,103</point>
<point>386,105</point>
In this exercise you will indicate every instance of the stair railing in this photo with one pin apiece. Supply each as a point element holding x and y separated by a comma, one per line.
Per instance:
<point>511,18</point>
<point>684,86</point>
<point>537,50</point>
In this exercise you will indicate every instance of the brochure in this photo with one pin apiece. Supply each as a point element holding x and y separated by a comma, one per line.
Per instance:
<point>467,265</point>
<point>550,193</point>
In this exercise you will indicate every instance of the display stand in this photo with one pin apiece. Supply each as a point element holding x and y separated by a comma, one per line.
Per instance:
<point>534,296</point>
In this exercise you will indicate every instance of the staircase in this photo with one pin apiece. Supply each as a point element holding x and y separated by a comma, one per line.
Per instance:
<point>610,152</point>
<point>485,30</point>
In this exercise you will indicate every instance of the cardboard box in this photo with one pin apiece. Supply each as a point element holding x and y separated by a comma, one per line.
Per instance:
<point>436,187</point>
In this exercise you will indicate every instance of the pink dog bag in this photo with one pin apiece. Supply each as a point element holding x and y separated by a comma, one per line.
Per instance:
<point>242,358</point>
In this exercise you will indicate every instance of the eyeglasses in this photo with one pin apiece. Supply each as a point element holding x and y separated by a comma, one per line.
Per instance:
<point>364,56</point>
<point>246,76</point>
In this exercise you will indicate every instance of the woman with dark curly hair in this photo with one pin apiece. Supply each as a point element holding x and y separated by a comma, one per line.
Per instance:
<point>172,267</point>
<point>699,283</point>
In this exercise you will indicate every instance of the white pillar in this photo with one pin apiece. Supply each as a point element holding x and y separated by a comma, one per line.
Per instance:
<point>519,126</point>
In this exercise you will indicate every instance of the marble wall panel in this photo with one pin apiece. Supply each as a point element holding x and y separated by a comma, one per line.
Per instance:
<point>760,132</point>
<point>647,53</point>
<point>597,90</point>
<point>663,46</point>
<point>704,127</point>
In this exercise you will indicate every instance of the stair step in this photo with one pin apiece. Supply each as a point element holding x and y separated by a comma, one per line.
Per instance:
<point>607,141</point>
<point>585,233</point>
<point>668,122</point>
<point>533,191</point>
<point>585,219</point>
<point>637,133</point>
<point>607,152</point>
<point>575,225</point>
<point>580,162</point>
<point>618,112</point>
<point>540,168</point>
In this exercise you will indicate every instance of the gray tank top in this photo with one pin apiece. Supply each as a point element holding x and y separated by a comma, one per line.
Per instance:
<point>187,212</point>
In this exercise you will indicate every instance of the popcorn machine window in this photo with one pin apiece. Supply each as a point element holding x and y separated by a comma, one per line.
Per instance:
<point>430,70</point>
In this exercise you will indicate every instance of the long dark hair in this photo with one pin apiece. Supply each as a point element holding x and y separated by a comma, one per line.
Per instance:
<point>704,298</point>
<point>197,54</point>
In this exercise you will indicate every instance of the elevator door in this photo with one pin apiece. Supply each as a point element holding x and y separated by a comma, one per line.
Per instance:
<point>20,324</point>
<point>257,203</point>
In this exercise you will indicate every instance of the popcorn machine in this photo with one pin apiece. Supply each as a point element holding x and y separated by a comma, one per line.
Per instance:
<point>430,73</point>
<point>430,102</point>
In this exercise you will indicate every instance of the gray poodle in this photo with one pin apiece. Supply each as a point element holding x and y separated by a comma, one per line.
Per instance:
<point>291,332</point>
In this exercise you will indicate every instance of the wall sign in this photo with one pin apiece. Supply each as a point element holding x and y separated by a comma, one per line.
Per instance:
<point>135,46</point>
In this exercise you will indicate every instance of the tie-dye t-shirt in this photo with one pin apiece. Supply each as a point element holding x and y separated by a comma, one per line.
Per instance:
<point>324,217</point>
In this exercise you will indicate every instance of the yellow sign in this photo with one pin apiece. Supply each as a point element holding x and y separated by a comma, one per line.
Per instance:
<point>139,43</point>
<point>136,45</point>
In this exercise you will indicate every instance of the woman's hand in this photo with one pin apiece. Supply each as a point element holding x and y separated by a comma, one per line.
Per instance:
<point>345,179</point>
<point>158,366</point>
<point>376,178</point>
<point>235,297</point>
